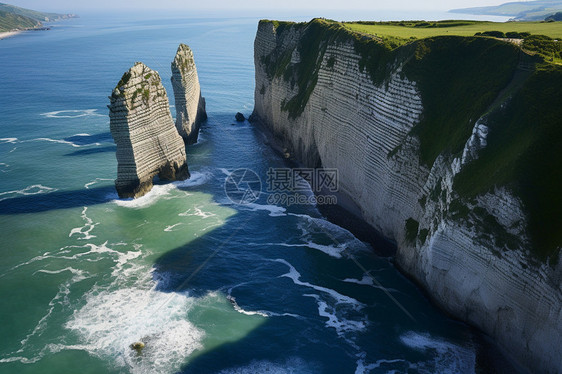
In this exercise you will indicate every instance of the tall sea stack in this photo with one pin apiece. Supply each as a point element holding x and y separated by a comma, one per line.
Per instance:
<point>148,143</point>
<point>190,105</point>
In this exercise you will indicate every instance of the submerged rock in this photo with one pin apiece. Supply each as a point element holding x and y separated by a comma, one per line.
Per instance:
<point>141,124</point>
<point>190,105</point>
<point>240,117</point>
<point>138,346</point>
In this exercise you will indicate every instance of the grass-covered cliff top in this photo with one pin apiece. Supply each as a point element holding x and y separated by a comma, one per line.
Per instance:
<point>460,78</point>
<point>424,29</point>
<point>544,38</point>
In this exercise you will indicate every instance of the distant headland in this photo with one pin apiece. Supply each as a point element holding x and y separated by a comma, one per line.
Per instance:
<point>14,20</point>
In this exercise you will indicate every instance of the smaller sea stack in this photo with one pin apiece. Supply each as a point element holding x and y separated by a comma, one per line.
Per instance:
<point>190,105</point>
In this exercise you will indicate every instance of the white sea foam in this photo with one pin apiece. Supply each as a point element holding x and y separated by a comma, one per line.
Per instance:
<point>96,181</point>
<point>170,228</point>
<point>23,360</point>
<point>113,317</point>
<point>325,225</point>
<point>342,325</point>
<point>237,307</point>
<point>449,357</point>
<point>274,210</point>
<point>85,230</point>
<point>60,141</point>
<point>78,274</point>
<point>366,280</point>
<point>60,299</point>
<point>335,313</point>
<point>150,198</point>
<point>4,167</point>
<point>35,189</point>
<point>90,252</point>
<point>8,140</point>
<point>196,211</point>
<point>225,171</point>
<point>363,368</point>
<point>201,138</point>
<point>265,312</point>
<point>290,366</point>
<point>160,191</point>
<point>72,113</point>
<point>196,179</point>
<point>331,250</point>
<point>294,275</point>
<point>111,321</point>
<point>342,238</point>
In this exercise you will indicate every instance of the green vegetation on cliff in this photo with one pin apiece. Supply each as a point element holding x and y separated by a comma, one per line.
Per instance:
<point>422,29</point>
<point>523,153</point>
<point>544,46</point>
<point>10,21</point>
<point>460,80</point>
<point>459,77</point>
<point>316,35</point>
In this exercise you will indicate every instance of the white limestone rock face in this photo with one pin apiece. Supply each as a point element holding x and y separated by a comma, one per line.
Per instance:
<point>141,124</point>
<point>190,105</point>
<point>472,259</point>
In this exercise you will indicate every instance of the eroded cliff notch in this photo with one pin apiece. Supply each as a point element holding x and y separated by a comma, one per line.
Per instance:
<point>190,105</point>
<point>141,124</point>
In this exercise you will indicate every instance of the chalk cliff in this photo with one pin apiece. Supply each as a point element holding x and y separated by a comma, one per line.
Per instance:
<point>447,145</point>
<point>190,105</point>
<point>141,124</point>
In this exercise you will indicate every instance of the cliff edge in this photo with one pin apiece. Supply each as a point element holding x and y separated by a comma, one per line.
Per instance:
<point>190,105</point>
<point>450,147</point>
<point>141,124</point>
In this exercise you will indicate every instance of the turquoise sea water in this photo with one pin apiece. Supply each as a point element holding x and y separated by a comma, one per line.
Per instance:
<point>209,286</point>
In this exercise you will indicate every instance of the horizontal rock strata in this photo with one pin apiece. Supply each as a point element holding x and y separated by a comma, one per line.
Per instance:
<point>148,143</point>
<point>190,105</point>
<point>473,258</point>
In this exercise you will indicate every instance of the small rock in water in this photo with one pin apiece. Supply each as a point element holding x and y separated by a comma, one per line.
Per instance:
<point>137,346</point>
<point>240,117</point>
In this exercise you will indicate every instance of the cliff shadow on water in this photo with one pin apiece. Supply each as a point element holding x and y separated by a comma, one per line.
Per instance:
<point>43,202</point>
<point>256,281</point>
<point>270,320</point>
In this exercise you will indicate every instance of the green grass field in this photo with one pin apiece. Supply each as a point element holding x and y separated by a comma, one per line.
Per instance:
<point>458,28</point>
<point>397,33</point>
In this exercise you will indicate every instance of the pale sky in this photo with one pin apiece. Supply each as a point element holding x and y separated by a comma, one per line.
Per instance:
<point>287,5</point>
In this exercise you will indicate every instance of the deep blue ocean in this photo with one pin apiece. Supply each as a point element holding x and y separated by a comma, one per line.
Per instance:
<point>208,285</point>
